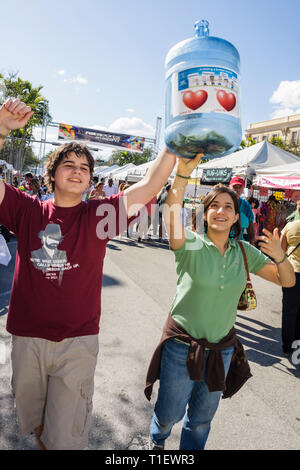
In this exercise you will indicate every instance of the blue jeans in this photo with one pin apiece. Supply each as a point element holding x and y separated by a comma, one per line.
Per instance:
<point>176,391</point>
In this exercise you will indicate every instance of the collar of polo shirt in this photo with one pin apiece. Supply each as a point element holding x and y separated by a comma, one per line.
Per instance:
<point>231,241</point>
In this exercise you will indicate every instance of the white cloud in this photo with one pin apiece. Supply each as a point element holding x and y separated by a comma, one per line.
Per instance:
<point>286,99</point>
<point>133,126</point>
<point>282,112</point>
<point>61,72</point>
<point>99,128</point>
<point>78,79</point>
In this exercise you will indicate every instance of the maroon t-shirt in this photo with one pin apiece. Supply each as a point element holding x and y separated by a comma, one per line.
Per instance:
<point>56,290</point>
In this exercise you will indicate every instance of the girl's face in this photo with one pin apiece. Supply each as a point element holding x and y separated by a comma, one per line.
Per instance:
<point>220,215</point>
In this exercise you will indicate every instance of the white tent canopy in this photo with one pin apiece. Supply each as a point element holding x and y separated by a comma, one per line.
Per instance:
<point>122,169</point>
<point>292,169</point>
<point>248,161</point>
<point>6,165</point>
<point>105,170</point>
<point>99,169</point>
<point>280,176</point>
<point>140,171</point>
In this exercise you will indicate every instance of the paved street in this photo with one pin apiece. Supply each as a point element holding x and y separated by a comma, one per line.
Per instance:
<point>139,284</point>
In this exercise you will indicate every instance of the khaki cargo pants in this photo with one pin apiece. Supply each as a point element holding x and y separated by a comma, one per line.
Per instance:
<point>53,384</point>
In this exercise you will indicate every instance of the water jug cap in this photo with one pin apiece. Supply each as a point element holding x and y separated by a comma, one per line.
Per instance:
<point>201,28</point>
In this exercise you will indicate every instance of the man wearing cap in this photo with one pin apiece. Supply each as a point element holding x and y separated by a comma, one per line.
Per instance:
<point>246,215</point>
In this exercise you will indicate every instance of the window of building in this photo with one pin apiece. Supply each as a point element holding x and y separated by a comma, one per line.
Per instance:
<point>264,137</point>
<point>294,138</point>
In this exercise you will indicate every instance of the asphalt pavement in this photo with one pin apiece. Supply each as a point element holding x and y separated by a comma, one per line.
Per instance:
<point>138,287</point>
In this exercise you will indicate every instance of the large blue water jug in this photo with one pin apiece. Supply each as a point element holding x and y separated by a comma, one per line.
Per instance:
<point>202,96</point>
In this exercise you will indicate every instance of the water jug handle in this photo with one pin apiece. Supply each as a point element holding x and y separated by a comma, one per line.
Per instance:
<point>201,28</point>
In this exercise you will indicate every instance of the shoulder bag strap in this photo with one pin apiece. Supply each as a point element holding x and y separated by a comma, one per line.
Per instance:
<point>245,260</point>
<point>293,250</point>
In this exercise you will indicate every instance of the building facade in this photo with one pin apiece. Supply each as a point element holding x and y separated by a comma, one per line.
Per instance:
<point>286,128</point>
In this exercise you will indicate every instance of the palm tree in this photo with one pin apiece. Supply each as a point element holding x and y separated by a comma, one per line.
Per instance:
<point>13,86</point>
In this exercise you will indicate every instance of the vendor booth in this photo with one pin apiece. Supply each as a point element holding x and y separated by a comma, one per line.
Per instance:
<point>248,161</point>
<point>278,189</point>
<point>281,176</point>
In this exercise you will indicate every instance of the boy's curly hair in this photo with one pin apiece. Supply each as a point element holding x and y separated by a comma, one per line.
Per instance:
<point>57,156</point>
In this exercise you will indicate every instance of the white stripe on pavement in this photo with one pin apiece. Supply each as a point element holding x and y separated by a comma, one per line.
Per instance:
<point>5,293</point>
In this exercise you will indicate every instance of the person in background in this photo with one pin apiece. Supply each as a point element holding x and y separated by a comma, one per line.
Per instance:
<point>296,214</point>
<point>15,182</point>
<point>145,219</point>
<point>184,215</point>
<point>28,177</point>
<point>246,215</point>
<point>43,185</point>
<point>35,188</point>
<point>121,186</point>
<point>110,189</point>
<point>290,242</point>
<point>161,201</point>
<point>254,205</point>
<point>97,192</point>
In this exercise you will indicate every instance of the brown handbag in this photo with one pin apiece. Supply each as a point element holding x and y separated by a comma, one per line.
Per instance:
<point>248,298</point>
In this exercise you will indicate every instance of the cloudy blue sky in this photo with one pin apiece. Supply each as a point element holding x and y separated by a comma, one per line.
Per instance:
<point>101,62</point>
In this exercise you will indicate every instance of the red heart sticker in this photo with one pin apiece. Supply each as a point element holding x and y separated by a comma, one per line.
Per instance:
<point>227,100</point>
<point>194,100</point>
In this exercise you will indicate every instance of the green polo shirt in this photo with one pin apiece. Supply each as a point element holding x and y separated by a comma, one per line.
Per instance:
<point>209,285</point>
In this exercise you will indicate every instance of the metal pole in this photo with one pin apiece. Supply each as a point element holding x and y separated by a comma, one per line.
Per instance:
<point>41,144</point>
<point>45,122</point>
<point>157,135</point>
<point>195,193</point>
<point>45,135</point>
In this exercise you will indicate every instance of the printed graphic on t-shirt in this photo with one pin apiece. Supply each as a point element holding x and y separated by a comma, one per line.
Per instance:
<point>49,259</point>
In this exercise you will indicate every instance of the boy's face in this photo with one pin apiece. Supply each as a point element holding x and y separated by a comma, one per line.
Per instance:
<point>73,174</point>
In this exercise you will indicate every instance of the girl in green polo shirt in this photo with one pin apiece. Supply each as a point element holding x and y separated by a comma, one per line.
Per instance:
<point>210,279</point>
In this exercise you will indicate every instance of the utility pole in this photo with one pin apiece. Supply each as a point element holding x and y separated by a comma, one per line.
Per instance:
<point>43,136</point>
<point>157,135</point>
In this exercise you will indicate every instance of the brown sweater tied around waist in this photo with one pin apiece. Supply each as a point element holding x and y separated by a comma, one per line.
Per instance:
<point>239,370</point>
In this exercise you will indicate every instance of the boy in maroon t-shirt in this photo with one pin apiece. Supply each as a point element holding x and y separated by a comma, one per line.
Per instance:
<point>55,302</point>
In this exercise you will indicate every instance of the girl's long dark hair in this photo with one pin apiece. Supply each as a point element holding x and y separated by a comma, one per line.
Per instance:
<point>210,197</point>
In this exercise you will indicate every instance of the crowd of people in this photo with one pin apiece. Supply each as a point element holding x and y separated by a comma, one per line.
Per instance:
<point>55,303</point>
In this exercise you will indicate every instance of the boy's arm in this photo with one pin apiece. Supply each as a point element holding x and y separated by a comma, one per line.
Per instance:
<point>142,192</point>
<point>14,114</point>
<point>2,191</point>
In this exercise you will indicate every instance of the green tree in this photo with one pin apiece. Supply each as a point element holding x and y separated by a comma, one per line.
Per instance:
<point>14,86</point>
<point>287,146</point>
<point>30,159</point>
<point>278,142</point>
<point>121,157</point>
